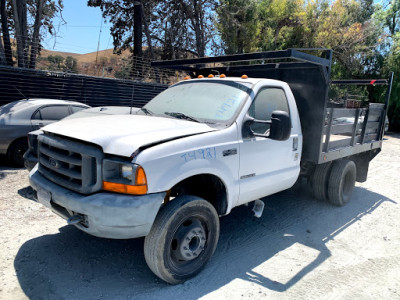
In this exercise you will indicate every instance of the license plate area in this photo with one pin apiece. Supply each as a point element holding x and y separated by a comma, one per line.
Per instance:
<point>44,197</point>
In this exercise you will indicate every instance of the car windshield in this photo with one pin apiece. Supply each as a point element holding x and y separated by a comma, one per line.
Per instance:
<point>209,102</point>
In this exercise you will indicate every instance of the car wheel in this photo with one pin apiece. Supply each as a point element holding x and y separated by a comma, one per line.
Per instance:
<point>341,182</point>
<point>16,152</point>
<point>182,239</point>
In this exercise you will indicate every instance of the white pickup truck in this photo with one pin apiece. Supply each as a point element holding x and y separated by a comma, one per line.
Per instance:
<point>192,154</point>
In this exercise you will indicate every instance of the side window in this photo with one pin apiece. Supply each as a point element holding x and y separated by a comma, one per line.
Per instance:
<point>266,101</point>
<point>36,116</point>
<point>75,109</point>
<point>54,112</point>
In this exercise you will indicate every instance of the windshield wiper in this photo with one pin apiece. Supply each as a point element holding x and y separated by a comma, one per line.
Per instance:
<point>179,115</point>
<point>146,111</point>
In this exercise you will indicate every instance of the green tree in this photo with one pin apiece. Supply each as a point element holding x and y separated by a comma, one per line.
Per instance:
<point>281,22</point>
<point>392,62</point>
<point>239,25</point>
<point>56,62</point>
<point>71,65</point>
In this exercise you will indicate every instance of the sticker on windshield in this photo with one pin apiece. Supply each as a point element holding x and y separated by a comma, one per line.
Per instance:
<point>227,106</point>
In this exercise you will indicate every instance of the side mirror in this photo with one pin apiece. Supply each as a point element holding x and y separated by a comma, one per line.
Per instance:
<point>280,126</point>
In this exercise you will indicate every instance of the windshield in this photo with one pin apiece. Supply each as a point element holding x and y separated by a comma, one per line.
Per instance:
<point>208,102</point>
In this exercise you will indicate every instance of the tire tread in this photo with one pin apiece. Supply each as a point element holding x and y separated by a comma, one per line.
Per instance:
<point>336,177</point>
<point>153,254</point>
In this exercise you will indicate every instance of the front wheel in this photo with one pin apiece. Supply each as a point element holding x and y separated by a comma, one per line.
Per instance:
<point>182,239</point>
<point>16,152</point>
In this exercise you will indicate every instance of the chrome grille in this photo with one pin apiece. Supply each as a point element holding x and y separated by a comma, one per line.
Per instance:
<point>71,164</point>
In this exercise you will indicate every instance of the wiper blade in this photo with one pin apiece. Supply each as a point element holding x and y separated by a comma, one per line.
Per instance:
<point>179,115</point>
<point>146,111</point>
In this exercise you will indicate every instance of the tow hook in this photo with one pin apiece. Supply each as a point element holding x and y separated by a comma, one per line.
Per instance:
<point>75,220</point>
<point>258,208</point>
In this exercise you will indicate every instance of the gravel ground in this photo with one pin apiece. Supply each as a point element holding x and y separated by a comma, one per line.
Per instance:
<point>299,248</point>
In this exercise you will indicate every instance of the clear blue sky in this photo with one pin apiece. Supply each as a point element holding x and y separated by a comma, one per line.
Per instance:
<point>81,33</point>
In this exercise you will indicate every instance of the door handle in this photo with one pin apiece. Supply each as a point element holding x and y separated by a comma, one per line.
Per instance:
<point>295,143</point>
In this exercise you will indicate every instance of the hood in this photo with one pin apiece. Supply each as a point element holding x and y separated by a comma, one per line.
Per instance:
<point>124,134</point>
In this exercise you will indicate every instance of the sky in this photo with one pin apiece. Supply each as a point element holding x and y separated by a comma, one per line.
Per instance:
<point>81,33</point>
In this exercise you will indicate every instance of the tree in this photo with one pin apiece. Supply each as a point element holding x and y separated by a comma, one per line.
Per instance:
<point>6,34</point>
<point>280,20</point>
<point>239,25</point>
<point>392,60</point>
<point>27,20</point>
<point>21,30</point>
<point>177,27</point>
<point>71,65</point>
<point>56,62</point>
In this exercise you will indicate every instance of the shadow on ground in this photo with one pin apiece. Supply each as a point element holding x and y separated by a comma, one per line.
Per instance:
<point>74,265</point>
<point>4,162</point>
<point>6,168</point>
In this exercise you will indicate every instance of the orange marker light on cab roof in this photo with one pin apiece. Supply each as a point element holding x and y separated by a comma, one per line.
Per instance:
<point>244,77</point>
<point>200,76</point>
<point>222,76</point>
<point>211,76</point>
<point>186,78</point>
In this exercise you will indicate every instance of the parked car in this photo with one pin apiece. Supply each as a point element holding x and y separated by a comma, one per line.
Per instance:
<point>30,156</point>
<point>20,117</point>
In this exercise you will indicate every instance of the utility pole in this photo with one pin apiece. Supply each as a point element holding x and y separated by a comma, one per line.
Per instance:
<point>137,38</point>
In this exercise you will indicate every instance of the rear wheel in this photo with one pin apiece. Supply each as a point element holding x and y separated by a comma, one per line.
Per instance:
<point>182,239</point>
<point>341,182</point>
<point>16,152</point>
<point>319,181</point>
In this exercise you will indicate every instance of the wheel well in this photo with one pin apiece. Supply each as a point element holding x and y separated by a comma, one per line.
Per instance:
<point>206,186</point>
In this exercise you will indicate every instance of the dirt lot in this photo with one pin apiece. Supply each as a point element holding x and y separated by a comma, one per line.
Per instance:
<point>299,248</point>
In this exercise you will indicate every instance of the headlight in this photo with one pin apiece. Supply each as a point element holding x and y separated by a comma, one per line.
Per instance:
<point>124,177</point>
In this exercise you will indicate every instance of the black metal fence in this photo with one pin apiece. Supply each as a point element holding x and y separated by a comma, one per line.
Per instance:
<point>19,83</point>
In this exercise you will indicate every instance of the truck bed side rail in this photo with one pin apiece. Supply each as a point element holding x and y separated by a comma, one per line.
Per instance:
<point>351,131</point>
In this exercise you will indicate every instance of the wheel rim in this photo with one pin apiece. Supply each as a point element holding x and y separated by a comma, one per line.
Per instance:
<point>189,241</point>
<point>19,156</point>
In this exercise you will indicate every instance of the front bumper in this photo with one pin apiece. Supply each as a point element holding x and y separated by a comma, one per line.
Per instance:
<point>105,214</point>
<point>30,159</point>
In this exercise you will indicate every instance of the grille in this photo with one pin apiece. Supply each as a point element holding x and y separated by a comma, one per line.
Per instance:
<point>71,164</point>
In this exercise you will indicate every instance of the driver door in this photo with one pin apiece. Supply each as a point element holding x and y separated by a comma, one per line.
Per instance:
<point>266,166</point>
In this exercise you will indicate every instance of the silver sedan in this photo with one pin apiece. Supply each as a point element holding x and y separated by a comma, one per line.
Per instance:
<point>20,117</point>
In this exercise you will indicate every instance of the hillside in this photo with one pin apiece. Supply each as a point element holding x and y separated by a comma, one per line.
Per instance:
<point>107,63</point>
